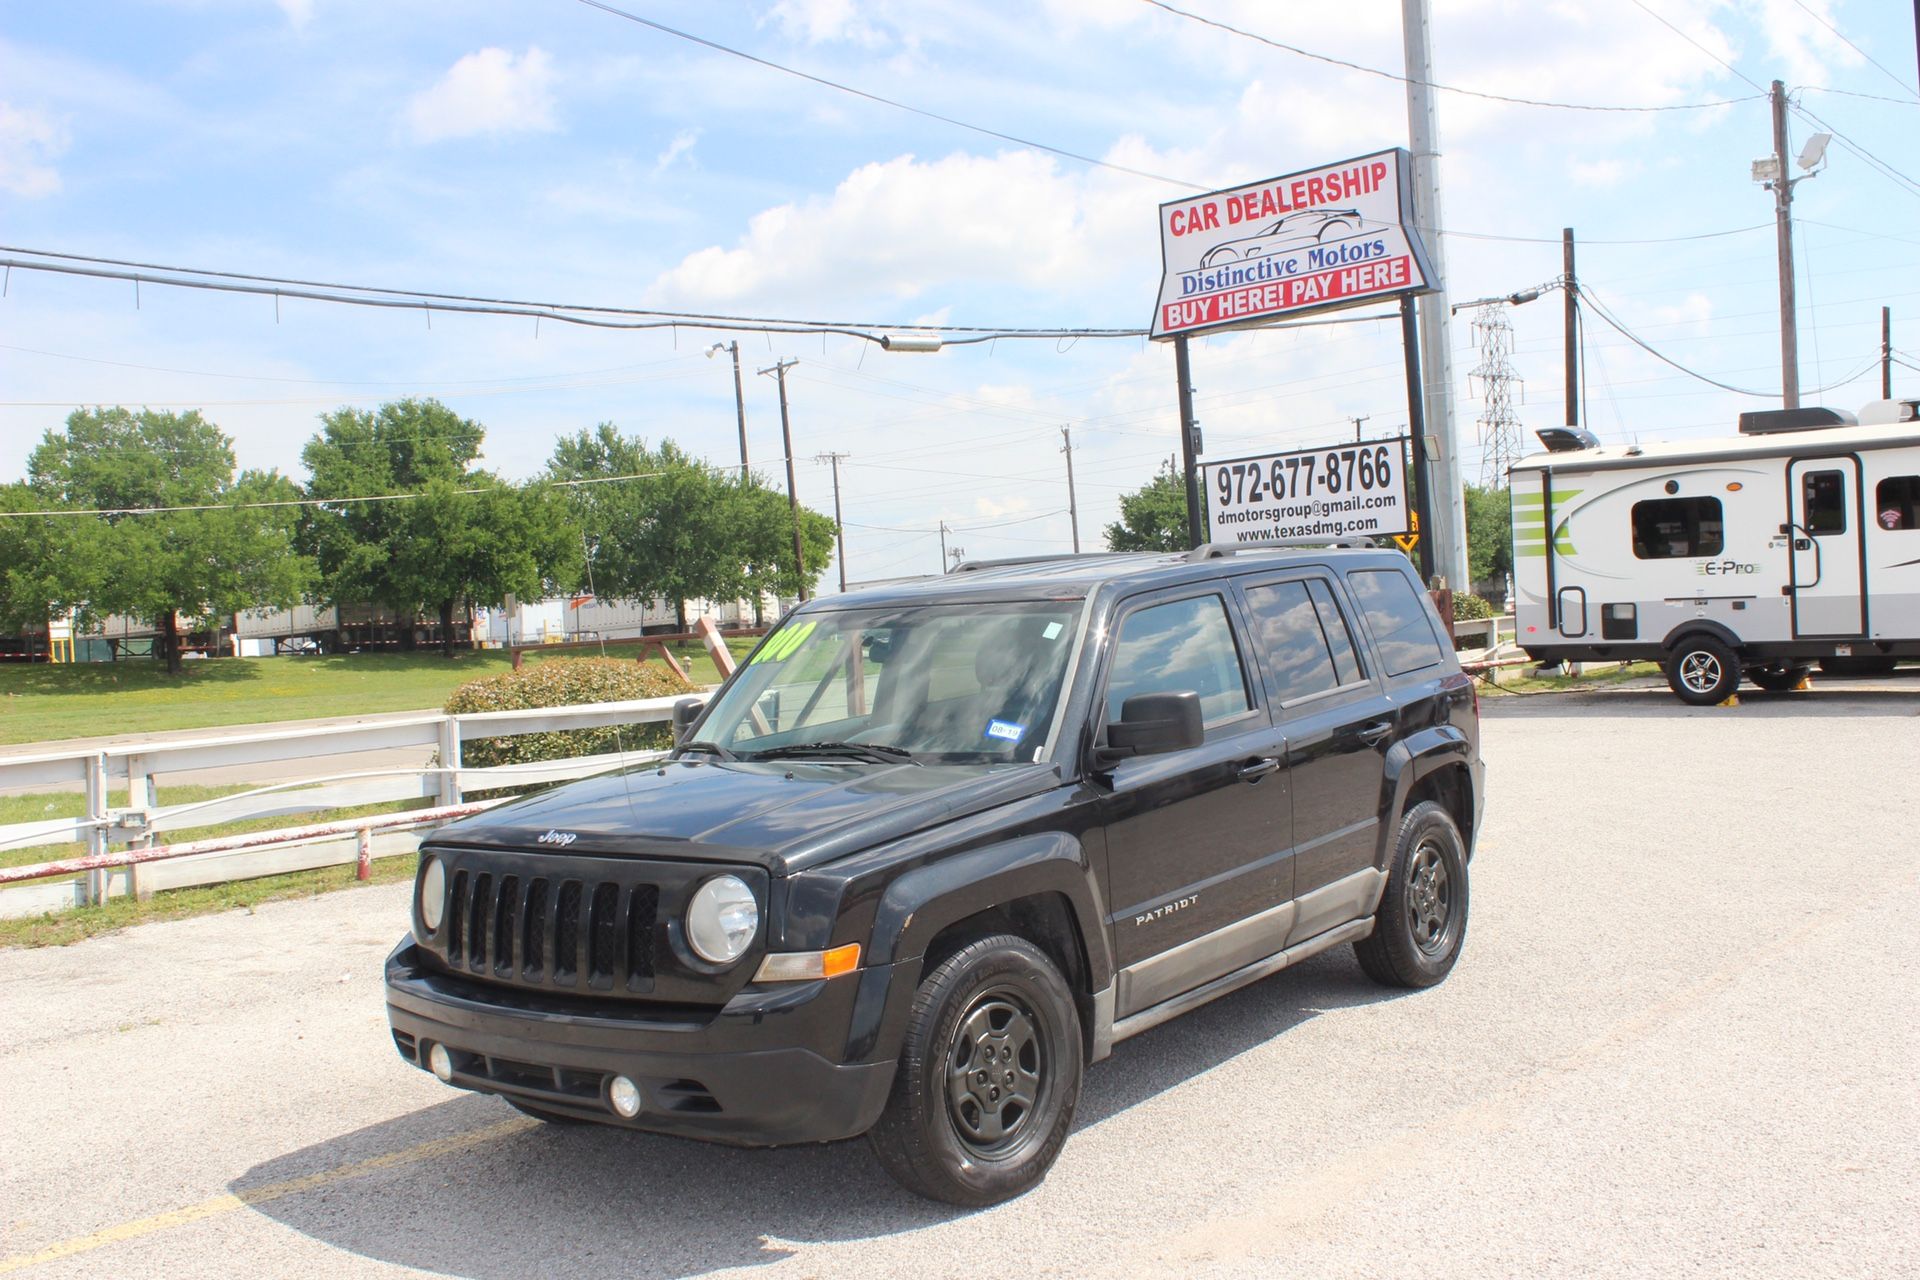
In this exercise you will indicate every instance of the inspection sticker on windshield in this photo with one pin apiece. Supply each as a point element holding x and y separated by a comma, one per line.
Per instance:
<point>1006,729</point>
<point>1052,632</point>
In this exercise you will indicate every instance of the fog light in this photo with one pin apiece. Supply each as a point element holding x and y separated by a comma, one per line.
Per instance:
<point>440,1062</point>
<point>625,1096</point>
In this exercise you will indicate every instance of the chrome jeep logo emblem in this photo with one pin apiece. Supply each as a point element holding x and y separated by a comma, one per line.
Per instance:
<point>561,838</point>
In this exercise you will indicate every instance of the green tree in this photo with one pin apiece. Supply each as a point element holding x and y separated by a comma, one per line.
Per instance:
<point>224,553</point>
<point>466,536</point>
<point>677,529</point>
<point>1153,517</point>
<point>1489,535</point>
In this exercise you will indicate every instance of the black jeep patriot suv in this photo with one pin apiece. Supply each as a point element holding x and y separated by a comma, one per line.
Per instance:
<point>938,846</point>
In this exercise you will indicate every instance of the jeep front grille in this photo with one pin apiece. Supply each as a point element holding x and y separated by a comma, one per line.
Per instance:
<point>547,931</point>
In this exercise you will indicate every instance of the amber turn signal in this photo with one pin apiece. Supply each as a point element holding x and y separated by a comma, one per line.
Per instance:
<point>802,966</point>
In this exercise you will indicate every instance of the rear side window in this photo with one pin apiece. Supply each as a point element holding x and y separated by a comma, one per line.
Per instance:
<point>1182,646</point>
<point>1305,655</point>
<point>1896,503</point>
<point>1397,618</point>
<point>1677,528</point>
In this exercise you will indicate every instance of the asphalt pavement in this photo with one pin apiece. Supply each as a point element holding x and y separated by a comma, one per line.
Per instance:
<point>1682,1040</point>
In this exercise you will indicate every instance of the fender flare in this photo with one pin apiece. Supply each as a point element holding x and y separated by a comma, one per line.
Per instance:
<point>1413,759</point>
<point>918,905</point>
<point>1701,626</point>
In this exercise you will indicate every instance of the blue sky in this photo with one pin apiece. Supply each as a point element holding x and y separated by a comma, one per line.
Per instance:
<point>544,149</point>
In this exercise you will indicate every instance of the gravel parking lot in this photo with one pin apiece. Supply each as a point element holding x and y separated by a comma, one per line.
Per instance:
<point>1682,1040</point>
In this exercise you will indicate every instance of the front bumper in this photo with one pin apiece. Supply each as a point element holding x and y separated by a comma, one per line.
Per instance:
<point>761,1070</point>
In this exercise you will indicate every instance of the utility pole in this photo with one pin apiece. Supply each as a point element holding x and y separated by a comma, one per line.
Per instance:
<point>1444,535</point>
<point>779,371</point>
<point>839,529</point>
<point>1189,442</point>
<point>739,398</point>
<point>1073,505</point>
<point>1782,185</point>
<point>1356,426</point>
<point>943,546</point>
<point>1886,353</point>
<point>1570,296</point>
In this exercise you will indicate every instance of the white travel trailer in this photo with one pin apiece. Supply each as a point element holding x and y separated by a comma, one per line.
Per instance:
<point>1796,541</point>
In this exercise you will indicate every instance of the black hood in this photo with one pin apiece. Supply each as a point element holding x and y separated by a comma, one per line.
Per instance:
<point>778,814</point>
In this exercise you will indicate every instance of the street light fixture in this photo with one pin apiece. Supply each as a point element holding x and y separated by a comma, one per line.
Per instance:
<point>739,398</point>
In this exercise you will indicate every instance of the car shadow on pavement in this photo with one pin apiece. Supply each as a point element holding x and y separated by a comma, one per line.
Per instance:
<point>594,1201</point>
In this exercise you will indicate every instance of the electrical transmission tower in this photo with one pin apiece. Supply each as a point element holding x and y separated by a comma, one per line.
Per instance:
<point>1494,378</point>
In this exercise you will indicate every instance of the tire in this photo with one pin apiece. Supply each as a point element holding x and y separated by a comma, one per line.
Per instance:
<point>1859,665</point>
<point>1784,681</point>
<point>1702,671</point>
<point>1421,922</point>
<point>940,1135</point>
<point>544,1116</point>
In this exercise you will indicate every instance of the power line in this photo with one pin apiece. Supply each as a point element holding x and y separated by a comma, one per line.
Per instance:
<point>1851,93</point>
<point>888,102</point>
<point>1642,6</point>
<point>381,295</point>
<point>1820,18</point>
<point>1875,162</point>
<point>1430,84</point>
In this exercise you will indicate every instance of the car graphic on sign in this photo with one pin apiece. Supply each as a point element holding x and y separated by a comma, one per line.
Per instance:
<point>1296,230</point>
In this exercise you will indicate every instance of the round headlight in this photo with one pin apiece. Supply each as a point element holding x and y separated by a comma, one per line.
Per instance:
<point>433,893</point>
<point>722,919</point>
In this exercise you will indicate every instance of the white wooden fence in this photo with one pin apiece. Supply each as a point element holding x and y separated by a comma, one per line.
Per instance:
<point>136,825</point>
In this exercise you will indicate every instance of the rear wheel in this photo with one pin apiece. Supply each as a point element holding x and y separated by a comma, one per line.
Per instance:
<point>1702,671</point>
<point>1421,922</point>
<point>1777,679</point>
<point>988,1079</point>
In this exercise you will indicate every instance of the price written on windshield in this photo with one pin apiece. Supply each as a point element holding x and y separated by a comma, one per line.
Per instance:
<point>1309,493</point>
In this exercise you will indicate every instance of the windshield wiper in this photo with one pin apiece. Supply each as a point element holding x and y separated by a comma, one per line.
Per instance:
<point>711,748</point>
<point>872,752</point>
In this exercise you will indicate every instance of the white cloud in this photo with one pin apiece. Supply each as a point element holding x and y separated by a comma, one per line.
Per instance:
<point>28,142</point>
<point>299,12</point>
<point>681,145</point>
<point>820,21</point>
<point>1597,173</point>
<point>489,92</point>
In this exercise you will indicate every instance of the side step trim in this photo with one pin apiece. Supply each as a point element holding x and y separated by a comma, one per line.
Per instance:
<point>1148,1019</point>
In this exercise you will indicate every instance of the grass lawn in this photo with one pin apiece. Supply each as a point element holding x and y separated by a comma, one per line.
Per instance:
<point>44,703</point>
<point>1512,680</point>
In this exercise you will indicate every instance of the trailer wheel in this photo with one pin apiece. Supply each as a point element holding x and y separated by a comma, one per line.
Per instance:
<point>1777,679</point>
<point>1702,671</point>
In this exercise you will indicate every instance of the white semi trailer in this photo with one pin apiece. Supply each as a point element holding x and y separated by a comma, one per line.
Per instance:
<point>1796,541</point>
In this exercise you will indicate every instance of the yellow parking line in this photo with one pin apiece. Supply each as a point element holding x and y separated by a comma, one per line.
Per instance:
<point>260,1195</point>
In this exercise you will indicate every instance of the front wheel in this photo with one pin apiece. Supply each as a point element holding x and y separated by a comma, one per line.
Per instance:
<point>988,1079</point>
<point>1421,922</point>
<point>1702,671</point>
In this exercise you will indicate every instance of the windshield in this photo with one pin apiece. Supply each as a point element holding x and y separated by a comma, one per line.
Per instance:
<point>948,683</point>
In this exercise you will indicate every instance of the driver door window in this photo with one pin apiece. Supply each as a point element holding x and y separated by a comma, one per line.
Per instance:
<point>1184,645</point>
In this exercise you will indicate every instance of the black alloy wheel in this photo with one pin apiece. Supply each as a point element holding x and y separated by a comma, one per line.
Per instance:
<point>989,1076</point>
<point>1421,922</point>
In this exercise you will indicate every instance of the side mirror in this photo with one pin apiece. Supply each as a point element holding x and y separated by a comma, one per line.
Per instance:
<point>685,712</point>
<point>1153,724</point>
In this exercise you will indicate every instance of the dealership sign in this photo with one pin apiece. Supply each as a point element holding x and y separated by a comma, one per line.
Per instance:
<point>1346,490</point>
<point>1325,238</point>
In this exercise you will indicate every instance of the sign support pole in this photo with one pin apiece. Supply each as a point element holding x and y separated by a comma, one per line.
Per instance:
<point>1183,373</point>
<point>1417,422</point>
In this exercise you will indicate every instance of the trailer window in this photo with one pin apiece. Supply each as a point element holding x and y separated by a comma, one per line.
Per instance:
<point>1677,528</point>
<point>1823,503</point>
<point>1896,502</point>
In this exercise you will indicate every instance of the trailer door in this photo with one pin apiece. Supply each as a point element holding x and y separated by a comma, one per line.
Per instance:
<point>1828,585</point>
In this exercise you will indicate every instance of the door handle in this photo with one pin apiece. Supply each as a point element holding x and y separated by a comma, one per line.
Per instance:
<point>1373,733</point>
<point>1254,770</point>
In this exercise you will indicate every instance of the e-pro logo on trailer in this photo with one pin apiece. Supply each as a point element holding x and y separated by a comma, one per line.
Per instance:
<point>1344,490</point>
<point>1313,241</point>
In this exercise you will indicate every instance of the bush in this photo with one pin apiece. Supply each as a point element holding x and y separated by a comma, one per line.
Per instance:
<point>565,682</point>
<point>1468,608</point>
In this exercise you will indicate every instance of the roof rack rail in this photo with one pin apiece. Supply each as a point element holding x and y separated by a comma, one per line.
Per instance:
<point>1008,562</point>
<point>1220,550</point>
